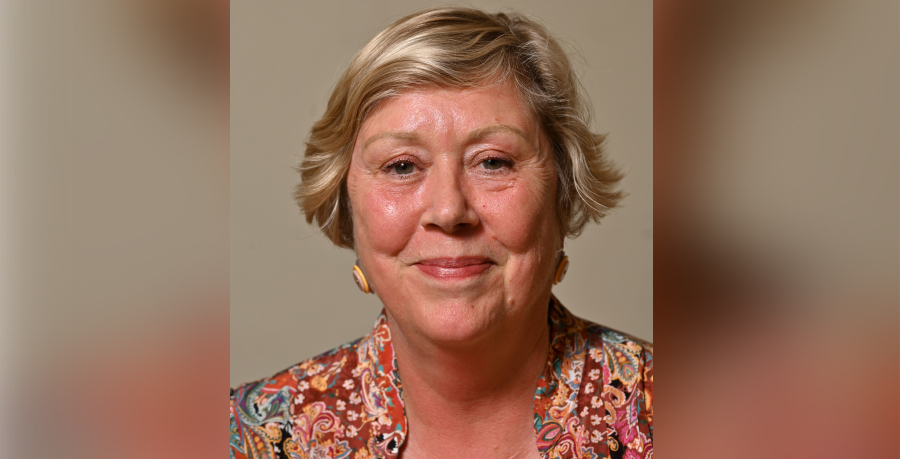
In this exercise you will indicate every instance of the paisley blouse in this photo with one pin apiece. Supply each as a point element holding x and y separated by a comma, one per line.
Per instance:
<point>594,400</point>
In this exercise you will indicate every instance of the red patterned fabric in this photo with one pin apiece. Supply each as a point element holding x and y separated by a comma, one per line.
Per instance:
<point>594,400</point>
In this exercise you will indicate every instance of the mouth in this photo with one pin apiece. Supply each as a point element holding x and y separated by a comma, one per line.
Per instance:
<point>454,268</point>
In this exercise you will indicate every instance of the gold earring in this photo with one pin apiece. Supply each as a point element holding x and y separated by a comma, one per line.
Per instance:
<point>360,279</point>
<point>561,268</point>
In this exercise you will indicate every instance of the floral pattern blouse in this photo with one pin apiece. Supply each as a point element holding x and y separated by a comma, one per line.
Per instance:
<point>594,400</point>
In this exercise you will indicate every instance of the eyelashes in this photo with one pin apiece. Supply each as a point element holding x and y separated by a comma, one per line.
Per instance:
<point>406,167</point>
<point>495,163</point>
<point>402,167</point>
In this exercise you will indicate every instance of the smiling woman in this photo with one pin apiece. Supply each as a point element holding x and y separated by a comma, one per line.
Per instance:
<point>454,158</point>
<point>450,215</point>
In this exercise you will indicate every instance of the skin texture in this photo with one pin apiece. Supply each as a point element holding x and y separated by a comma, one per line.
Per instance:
<point>453,195</point>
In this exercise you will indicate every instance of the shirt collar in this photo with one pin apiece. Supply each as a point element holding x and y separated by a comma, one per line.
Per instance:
<point>554,399</point>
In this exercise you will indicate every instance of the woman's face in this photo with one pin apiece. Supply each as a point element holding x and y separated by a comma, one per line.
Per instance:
<point>454,210</point>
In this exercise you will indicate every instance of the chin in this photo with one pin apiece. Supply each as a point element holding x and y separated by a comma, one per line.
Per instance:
<point>455,321</point>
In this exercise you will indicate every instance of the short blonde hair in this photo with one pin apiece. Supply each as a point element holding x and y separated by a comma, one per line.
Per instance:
<point>459,48</point>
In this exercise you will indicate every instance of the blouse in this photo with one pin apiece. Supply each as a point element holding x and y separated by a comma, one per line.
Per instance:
<point>594,399</point>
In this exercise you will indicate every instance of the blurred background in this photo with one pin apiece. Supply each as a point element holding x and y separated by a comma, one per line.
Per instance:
<point>776,205</point>
<point>292,293</point>
<point>114,209</point>
<point>776,220</point>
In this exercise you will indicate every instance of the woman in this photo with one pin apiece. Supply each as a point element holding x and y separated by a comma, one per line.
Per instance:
<point>454,158</point>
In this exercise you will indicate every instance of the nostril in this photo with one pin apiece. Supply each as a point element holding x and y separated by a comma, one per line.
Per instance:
<point>452,219</point>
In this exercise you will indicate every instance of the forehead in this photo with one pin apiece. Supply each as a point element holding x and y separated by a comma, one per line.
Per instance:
<point>436,110</point>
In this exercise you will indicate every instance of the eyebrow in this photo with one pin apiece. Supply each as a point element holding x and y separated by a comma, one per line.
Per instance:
<point>480,134</point>
<point>400,135</point>
<point>474,136</point>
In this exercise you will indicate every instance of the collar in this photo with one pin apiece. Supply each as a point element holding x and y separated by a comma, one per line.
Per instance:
<point>555,400</point>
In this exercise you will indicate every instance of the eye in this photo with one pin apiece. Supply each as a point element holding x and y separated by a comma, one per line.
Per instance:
<point>494,164</point>
<point>402,168</point>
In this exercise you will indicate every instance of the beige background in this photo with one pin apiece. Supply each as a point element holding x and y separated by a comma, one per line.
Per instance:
<point>292,295</point>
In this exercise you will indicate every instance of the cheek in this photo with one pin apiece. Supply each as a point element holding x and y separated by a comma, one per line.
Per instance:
<point>384,220</point>
<point>522,218</point>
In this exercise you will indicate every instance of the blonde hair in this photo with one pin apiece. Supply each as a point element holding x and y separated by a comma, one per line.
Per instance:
<point>459,48</point>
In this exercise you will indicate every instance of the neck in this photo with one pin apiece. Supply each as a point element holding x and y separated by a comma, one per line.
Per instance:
<point>482,392</point>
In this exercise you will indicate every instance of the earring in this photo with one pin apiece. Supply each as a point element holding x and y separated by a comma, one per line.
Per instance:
<point>561,268</point>
<point>360,279</point>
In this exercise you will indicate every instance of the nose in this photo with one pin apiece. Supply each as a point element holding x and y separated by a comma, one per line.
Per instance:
<point>447,202</point>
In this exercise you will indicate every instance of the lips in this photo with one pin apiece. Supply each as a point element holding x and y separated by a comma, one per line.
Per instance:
<point>454,268</point>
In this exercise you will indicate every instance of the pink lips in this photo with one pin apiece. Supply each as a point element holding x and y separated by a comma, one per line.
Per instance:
<point>454,268</point>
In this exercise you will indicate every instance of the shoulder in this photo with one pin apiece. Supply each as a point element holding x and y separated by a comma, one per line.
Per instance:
<point>263,400</point>
<point>602,344</point>
<point>623,365</point>
<point>615,401</point>
<point>624,360</point>
<point>622,347</point>
<point>262,411</point>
